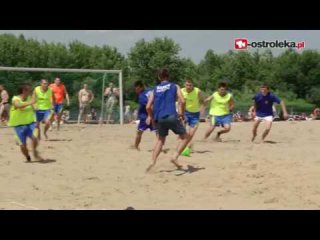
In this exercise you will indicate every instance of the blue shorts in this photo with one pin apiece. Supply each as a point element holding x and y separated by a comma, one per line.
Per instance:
<point>192,119</point>
<point>25,131</point>
<point>43,115</point>
<point>58,108</point>
<point>221,120</point>
<point>144,126</point>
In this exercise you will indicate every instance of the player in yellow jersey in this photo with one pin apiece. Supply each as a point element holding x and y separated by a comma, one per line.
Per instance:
<point>221,107</point>
<point>22,118</point>
<point>194,99</point>
<point>44,106</point>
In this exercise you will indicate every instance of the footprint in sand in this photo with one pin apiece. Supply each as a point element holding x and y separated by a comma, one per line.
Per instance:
<point>271,200</point>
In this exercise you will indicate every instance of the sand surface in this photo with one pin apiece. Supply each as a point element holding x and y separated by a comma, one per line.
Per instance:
<point>91,167</point>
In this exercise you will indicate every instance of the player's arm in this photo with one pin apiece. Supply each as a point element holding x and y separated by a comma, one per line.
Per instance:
<point>284,109</point>
<point>79,96</point>
<point>91,96</point>
<point>67,96</point>
<point>208,99</point>
<point>19,105</point>
<point>53,100</point>
<point>182,103</point>
<point>149,109</point>
<point>231,104</point>
<point>34,97</point>
<point>202,98</point>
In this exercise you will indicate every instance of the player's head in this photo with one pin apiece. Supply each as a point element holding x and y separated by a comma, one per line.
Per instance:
<point>25,89</point>
<point>222,88</point>
<point>163,74</point>
<point>138,87</point>
<point>57,81</point>
<point>316,112</point>
<point>189,85</point>
<point>44,84</point>
<point>264,89</point>
<point>85,86</point>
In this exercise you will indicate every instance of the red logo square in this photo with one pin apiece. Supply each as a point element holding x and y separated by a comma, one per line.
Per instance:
<point>241,43</point>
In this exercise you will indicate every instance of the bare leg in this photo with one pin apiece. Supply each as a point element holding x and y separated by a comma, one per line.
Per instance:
<point>35,151</point>
<point>156,151</point>
<point>225,130</point>
<point>80,116</point>
<point>208,132</point>
<point>192,132</point>
<point>46,128</point>
<point>25,152</point>
<point>39,130</point>
<point>181,146</point>
<point>254,130</point>
<point>138,140</point>
<point>267,130</point>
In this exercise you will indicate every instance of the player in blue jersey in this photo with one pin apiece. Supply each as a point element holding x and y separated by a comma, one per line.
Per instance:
<point>161,109</point>
<point>143,95</point>
<point>262,110</point>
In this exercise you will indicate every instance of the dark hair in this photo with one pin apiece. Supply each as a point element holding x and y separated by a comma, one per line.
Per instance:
<point>189,80</point>
<point>264,85</point>
<point>222,85</point>
<point>138,84</point>
<point>164,73</point>
<point>23,87</point>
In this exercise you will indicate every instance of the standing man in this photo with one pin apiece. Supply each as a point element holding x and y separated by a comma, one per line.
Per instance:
<point>262,110</point>
<point>194,99</point>
<point>85,97</point>
<point>221,106</point>
<point>60,93</point>
<point>144,94</point>
<point>111,96</point>
<point>44,106</point>
<point>162,110</point>
<point>4,104</point>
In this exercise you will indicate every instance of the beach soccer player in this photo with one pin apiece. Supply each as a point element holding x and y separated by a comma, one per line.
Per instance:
<point>23,120</point>
<point>44,106</point>
<point>60,94</point>
<point>144,95</point>
<point>262,110</point>
<point>161,108</point>
<point>194,99</point>
<point>221,107</point>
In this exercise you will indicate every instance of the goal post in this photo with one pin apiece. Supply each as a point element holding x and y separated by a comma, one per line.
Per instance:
<point>71,70</point>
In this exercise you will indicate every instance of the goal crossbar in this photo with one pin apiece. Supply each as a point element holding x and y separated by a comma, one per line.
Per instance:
<point>23,69</point>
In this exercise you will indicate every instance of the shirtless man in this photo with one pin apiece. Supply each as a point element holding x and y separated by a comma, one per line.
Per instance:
<point>85,97</point>
<point>4,104</point>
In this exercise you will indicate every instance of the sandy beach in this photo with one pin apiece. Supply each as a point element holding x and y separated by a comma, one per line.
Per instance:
<point>92,167</point>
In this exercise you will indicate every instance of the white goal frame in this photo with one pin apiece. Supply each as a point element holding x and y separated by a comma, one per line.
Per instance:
<point>119,72</point>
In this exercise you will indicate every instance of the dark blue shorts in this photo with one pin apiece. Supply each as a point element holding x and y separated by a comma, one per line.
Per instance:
<point>192,119</point>
<point>221,120</point>
<point>43,115</point>
<point>58,108</point>
<point>25,131</point>
<point>144,126</point>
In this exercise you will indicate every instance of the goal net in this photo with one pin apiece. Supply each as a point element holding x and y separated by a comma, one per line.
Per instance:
<point>105,108</point>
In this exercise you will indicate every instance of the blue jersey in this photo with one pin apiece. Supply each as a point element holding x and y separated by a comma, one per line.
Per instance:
<point>264,104</point>
<point>165,95</point>
<point>143,100</point>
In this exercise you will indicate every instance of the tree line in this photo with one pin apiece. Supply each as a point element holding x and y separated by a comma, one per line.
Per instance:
<point>293,75</point>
